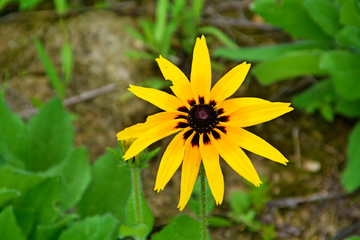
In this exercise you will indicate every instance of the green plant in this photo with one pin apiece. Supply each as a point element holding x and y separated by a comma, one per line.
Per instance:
<point>170,19</point>
<point>329,49</point>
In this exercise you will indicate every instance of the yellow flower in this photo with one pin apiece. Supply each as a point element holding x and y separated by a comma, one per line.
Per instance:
<point>206,123</point>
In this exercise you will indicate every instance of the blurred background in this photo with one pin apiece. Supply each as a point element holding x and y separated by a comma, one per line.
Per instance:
<point>306,52</point>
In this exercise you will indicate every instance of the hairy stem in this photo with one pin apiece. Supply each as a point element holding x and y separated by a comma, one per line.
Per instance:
<point>137,188</point>
<point>204,231</point>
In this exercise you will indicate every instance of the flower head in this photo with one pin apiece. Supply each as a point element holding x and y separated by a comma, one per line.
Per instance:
<point>206,124</point>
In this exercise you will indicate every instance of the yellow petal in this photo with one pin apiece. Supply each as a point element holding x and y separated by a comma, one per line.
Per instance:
<point>201,70</point>
<point>159,98</point>
<point>171,160</point>
<point>255,144</point>
<point>189,173</point>
<point>236,158</point>
<point>233,104</point>
<point>210,159</point>
<point>181,85</point>
<point>150,136</point>
<point>255,114</point>
<point>151,121</point>
<point>229,83</point>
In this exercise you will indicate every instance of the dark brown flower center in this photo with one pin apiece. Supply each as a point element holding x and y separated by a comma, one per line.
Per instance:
<point>202,118</point>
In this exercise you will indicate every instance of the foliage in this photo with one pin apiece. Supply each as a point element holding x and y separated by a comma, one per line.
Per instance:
<point>170,19</point>
<point>24,5</point>
<point>327,45</point>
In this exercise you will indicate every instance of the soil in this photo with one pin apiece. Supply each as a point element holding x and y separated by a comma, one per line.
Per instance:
<point>316,148</point>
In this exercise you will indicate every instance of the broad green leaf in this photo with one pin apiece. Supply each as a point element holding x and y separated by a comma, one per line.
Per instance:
<point>351,176</point>
<point>25,219</point>
<point>108,191</point>
<point>219,35</point>
<point>215,221</point>
<point>183,227</point>
<point>162,7</point>
<point>263,53</point>
<point>8,225</point>
<point>3,3</point>
<point>17,180</point>
<point>291,65</point>
<point>51,136</point>
<point>7,196</point>
<point>240,202</point>
<point>28,4</point>
<point>290,15</point>
<point>344,67</point>
<point>94,228</point>
<point>353,238</point>
<point>14,142</point>
<point>44,199</point>
<point>194,201</point>
<point>348,108</point>
<point>138,233</point>
<point>350,13</point>
<point>49,69</point>
<point>67,61</point>
<point>53,232</point>
<point>317,97</point>
<point>75,176</point>
<point>325,14</point>
<point>349,36</point>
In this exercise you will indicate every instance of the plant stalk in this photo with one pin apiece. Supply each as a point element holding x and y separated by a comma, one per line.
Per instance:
<point>204,230</point>
<point>135,172</point>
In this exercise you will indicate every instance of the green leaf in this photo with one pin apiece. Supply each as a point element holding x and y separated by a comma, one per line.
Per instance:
<point>14,142</point>
<point>215,221</point>
<point>53,232</point>
<point>139,55</point>
<point>9,228</point>
<point>27,4</point>
<point>75,176</point>
<point>351,176</point>
<point>325,13</point>
<point>147,216</point>
<point>44,199</point>
<point>194,201</point>
<point>348,108</point>
<point>60,6</point>
<point>67,61</point>
<point>263,53</point>
<point>167,38</point>
<point>160,19</point>
<point>148,29</point>
<point>240,202</point>
<point>350,13</point>
<point>290,15</point>
<point>51,136</point>
<point>94,228</point>
<point>349,36</point>
<point>110,181</point>
<point>49,69</point>
<point>317,97</point>
<point>183,227</point>
<point>196,9</point>
<point>25,219</point>
<point>219,35</point>
<point>135,33</point>
<point>138,233</point>
<point>6,196</point>
<point>17,180</point>
<point>291,65</point>
<point>344,67</point>
<point>353,238</point>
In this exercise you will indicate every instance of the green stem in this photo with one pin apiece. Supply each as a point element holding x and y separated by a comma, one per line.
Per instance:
<point>204,232</point>
<point>137,188</point>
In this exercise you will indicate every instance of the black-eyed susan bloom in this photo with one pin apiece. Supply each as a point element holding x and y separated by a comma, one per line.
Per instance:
<point>207,125</point>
